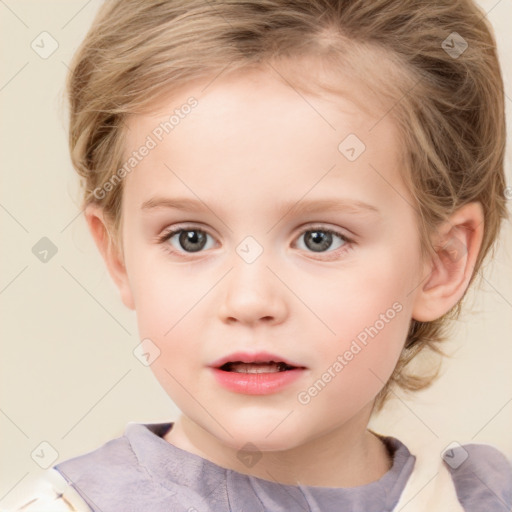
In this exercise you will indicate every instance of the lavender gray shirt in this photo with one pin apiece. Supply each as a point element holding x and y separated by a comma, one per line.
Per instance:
<point>140,471</point>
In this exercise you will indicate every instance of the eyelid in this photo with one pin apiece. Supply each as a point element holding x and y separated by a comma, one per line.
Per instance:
<point>171,231</point>
<point>324,227</point>
<point>327,255</point>
<point>168,232</point>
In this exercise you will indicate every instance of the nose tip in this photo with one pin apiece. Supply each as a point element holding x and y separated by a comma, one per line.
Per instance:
<point>249,306</point>
<point>250,319</point>
<point>252,295</point>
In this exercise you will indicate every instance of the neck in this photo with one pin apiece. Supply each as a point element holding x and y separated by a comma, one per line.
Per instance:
<point>348,456</point>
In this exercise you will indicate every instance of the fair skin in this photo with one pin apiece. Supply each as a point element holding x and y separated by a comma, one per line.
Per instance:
<point>251,145</point>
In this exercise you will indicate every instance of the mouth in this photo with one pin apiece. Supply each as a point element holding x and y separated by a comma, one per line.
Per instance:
<point>263,367</point>
<point>260,362</point>
<point>261,373</point>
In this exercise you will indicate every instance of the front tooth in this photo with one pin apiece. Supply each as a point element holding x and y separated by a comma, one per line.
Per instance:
<point>254,368</point>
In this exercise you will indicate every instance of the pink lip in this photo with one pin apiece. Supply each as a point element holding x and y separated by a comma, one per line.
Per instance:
<point>255,383</point>
<point>258,357</point>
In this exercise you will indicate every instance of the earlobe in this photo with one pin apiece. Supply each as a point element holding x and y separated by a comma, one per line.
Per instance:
<point>99,228</point>
<point>447,274</point>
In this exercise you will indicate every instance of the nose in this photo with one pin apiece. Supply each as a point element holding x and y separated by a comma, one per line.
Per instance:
<point>253,294</point>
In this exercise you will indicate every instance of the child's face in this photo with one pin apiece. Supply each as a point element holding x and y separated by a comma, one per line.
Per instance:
<point>249,156</point>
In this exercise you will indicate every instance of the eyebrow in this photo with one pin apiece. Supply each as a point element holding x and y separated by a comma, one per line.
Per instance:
<point>297,207</point>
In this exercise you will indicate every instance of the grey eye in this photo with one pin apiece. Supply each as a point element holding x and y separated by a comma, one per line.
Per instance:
<point>318,240</point>
<point>190,240</point>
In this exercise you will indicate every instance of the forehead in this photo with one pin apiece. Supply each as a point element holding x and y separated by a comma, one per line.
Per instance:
<point>255,131</point>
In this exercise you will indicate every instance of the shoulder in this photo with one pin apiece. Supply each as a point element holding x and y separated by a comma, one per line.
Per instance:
<point>69,486</point>
<point>482,476</point>
<point>119,474</point>
<point>115,458</point>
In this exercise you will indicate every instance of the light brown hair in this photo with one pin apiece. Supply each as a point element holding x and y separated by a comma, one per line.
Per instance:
<point>448,107</point>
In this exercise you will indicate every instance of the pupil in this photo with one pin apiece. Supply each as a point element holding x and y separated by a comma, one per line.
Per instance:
<point>321,240</point>
<point>189,239</point>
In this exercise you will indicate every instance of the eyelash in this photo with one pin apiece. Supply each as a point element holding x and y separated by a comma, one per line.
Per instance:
<point>167,235</point>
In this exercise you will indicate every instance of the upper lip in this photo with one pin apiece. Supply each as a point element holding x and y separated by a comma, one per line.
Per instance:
<point>257,357</point>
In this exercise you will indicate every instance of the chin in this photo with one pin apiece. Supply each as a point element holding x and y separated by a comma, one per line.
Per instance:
<point>258,433</point>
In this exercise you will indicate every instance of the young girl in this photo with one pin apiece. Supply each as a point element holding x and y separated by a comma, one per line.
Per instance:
<point>294,197</point>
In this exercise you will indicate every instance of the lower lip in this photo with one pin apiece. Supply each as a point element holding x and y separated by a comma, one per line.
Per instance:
<point>256,383</point>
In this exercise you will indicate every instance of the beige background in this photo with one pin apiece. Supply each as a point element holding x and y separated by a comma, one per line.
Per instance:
<point>68,374</point>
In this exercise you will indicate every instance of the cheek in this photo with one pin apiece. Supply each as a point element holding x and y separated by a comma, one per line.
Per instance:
<point>166,314</point>
<point>355,366</point>
<point>363,303</point>
<point>160,292</point>
<point>369,313</point>
<point>166,301</point>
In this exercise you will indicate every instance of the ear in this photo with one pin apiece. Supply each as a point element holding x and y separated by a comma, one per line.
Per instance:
<point>112,254</point>
<point>457,243</point>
